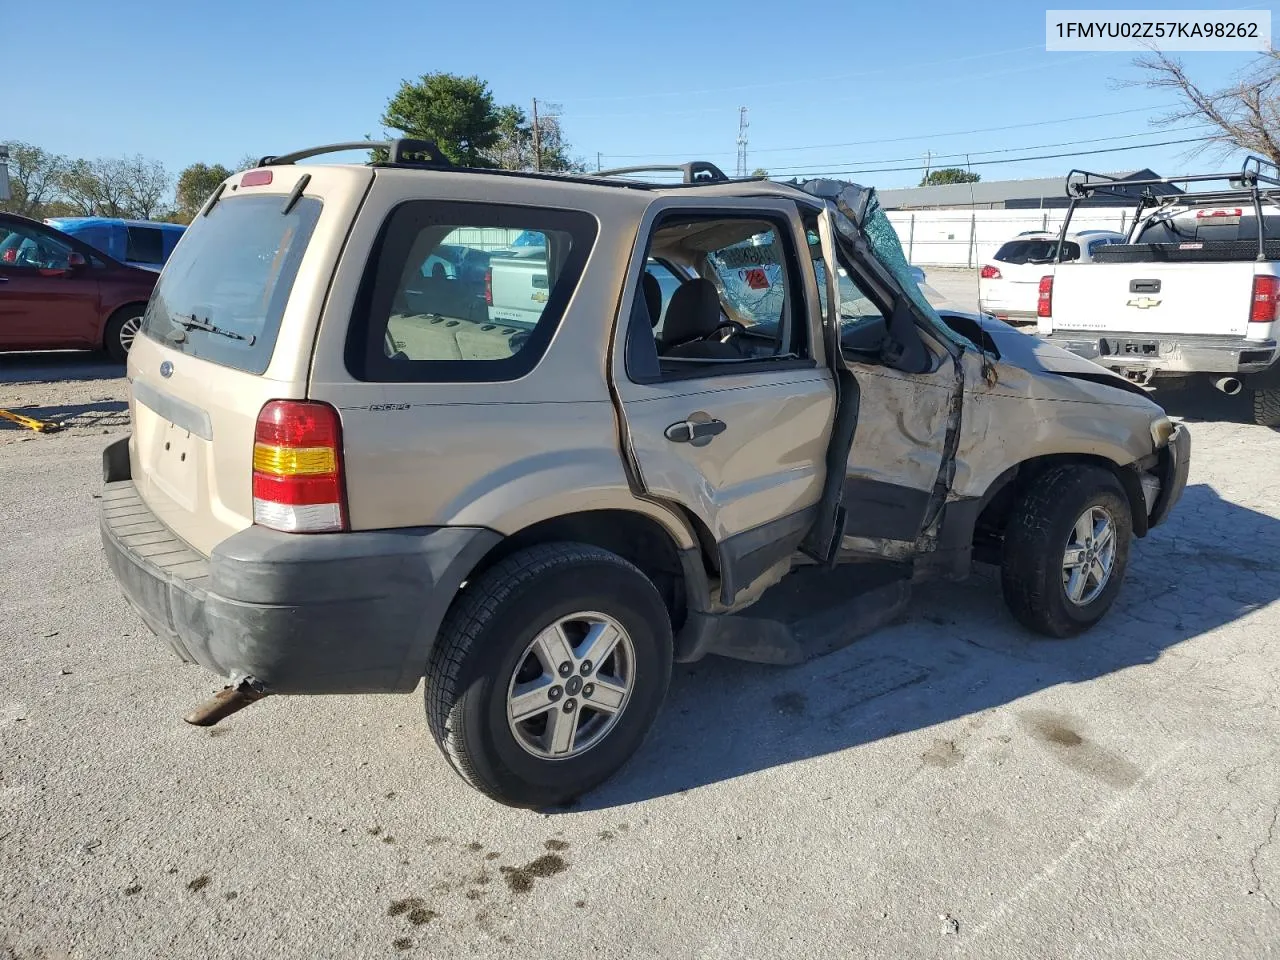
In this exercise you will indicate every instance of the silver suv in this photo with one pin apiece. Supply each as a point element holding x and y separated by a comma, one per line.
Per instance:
<point>346,475</point>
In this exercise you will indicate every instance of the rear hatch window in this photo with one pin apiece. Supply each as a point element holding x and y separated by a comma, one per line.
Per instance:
<point>224,290</point>
<point>1036,251</point>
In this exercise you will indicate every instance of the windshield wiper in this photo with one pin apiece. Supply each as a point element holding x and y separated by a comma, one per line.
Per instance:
<point>193,322</point>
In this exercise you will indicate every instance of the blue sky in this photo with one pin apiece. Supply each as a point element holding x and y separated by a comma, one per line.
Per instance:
<point>663,81</point>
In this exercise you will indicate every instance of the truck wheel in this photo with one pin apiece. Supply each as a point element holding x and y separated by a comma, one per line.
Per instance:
<point>548,672</point>
<point>1266,407</point>
<point>121,330</point>
<point>1066,547</point>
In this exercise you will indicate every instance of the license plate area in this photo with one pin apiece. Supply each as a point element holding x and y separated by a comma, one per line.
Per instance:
<point>1130,349</point>
<point>173,468</point>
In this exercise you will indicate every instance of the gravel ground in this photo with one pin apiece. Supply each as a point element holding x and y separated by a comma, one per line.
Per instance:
<point>945,787</point>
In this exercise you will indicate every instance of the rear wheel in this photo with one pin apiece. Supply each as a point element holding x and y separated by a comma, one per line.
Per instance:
<point>1266,407</point>
<point>1065,550</point>
<point>548,672</point>
<point>122,329</point>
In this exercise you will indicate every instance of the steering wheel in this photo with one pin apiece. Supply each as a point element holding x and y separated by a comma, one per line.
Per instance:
<point>733,325</point>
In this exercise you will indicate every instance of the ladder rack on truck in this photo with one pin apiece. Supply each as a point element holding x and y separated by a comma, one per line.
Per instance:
<point>1250,182</point>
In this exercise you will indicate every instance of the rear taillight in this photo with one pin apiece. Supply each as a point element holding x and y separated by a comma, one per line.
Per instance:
<point>1044,301</point>
<point>1265,305</point>
<point>297,468</point>
<point>488,287</point>
<point>990,273</point>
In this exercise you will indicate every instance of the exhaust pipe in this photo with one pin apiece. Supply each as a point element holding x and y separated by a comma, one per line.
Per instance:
<point>225,702</point>
<point>1229,385</point>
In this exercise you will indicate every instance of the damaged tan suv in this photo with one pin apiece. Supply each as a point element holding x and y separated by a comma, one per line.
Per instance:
<point>348,471</point>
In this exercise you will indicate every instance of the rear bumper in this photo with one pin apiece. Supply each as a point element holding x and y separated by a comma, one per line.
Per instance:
<point>1173,467</point>
<point>998,310</point>
<point>1154,353</point>
<point>319,613</point>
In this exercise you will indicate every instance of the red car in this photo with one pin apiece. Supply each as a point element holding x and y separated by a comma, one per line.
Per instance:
<point>59,293</point>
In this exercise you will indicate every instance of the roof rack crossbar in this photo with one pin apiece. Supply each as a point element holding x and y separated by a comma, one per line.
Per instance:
<point>695,171</point>
<point>406,151</point>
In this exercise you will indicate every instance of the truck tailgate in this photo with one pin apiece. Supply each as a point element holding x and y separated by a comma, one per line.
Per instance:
<point>1188,298</point>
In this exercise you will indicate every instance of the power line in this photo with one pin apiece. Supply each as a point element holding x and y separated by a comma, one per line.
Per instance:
<point>805,81</point>
<point>979,153</point>
<point>861,96</point>
<point>918,136</point>
<point>984,163</point>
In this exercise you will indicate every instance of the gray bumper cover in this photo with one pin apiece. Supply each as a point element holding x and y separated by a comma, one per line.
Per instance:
<point>314,613</point>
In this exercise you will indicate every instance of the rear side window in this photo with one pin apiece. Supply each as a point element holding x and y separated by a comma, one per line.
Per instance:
<point>233,273</point>
<point>459,291</point>
<point>145,245</point>
<point>1036,251</point>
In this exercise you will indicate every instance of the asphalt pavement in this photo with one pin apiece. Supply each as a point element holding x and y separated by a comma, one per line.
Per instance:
<point>949,786</point>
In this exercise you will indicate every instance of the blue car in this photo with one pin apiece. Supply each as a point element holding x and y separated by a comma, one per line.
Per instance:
<point>139,243</point>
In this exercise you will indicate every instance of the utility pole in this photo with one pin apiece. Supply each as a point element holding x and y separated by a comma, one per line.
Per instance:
<point>742,141</point>
<point>599,165</point>
<point>537,138</point>
<point>928,156</point>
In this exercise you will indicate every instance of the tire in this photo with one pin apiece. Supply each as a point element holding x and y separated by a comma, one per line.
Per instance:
<point>1037,538</point>
<point>117,329</point>
<point>1266,407</point>
<point>484,649</point>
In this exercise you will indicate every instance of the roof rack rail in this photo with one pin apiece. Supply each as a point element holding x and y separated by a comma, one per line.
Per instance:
<point>418,153</point>
<point>695,171</point>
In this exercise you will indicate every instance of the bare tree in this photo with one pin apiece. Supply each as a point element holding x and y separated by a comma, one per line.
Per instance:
<point>145,184</point>
<point>34,175</point>
<point>514,149</point>
<point>1246,112</point>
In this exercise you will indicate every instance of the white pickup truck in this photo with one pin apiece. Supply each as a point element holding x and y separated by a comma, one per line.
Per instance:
<point>1193,293</point>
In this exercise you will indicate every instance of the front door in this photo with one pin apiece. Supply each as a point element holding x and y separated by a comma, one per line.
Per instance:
<point>48,296</point>
<point>896,472</point>
<point>726,400</point>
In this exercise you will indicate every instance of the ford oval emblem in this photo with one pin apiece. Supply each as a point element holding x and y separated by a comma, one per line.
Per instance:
<point>166,369</point>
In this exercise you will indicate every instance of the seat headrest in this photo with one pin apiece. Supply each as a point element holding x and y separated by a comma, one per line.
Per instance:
<point>694,311</point>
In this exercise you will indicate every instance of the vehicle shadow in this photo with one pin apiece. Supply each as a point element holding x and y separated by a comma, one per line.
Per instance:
<point>1201,403</point>
<point>958,652</point>
<point>102,413</point>
<point>53,366</point>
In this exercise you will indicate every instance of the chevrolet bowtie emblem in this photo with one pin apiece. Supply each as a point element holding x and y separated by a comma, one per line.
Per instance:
<point>1142,303</point>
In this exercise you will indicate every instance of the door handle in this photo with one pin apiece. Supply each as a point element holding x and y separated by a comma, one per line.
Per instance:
<point>699,430</point>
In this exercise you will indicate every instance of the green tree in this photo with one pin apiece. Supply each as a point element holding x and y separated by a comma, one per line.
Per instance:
<point>195,184</point>
<point>457,113</point>
<point>759,172</point>
<point>145,184</point>
<point>34,175</point>
<point>93,188</point>
<point>949,175</point>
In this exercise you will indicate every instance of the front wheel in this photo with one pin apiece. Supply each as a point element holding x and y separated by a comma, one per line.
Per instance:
<point>548,672</point>
<point>1266,407</point>
<point>122,329</point>
<point>1065,550</point>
